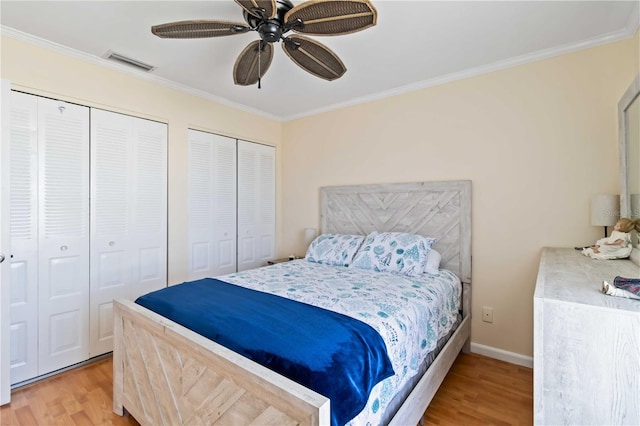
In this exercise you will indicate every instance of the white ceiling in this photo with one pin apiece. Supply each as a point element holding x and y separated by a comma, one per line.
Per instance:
<point>415,44</point>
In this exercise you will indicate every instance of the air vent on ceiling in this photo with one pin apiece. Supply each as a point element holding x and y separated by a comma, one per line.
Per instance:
<point>113,56</point>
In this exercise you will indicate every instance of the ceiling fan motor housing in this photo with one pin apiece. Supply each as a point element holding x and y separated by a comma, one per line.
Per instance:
<point>270,30</point>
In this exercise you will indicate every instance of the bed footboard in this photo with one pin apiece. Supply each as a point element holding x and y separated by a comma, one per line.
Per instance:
<point>166,374</point>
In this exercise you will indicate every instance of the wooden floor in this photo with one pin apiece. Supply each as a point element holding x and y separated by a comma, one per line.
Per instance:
<point>477,391</point>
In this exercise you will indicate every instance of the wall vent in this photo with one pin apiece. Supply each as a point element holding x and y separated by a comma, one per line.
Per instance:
<point>113,56</point>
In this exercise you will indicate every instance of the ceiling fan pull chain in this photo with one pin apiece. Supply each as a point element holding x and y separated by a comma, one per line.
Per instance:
<point>259,72</point>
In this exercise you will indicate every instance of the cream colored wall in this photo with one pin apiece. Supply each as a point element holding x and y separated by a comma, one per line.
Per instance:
<point>44,72</point>
<point>537,141</point>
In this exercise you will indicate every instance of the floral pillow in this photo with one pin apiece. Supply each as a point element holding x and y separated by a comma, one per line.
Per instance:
<point>396,252</point>
<point>334,249</point>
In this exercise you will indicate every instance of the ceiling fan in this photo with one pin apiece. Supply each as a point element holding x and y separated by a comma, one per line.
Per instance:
<point>272,19</point>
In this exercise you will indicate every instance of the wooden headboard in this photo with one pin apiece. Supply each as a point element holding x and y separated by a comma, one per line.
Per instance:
<point>441,210</point>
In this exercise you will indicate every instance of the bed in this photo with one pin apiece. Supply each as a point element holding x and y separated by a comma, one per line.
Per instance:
<point>165,373</point>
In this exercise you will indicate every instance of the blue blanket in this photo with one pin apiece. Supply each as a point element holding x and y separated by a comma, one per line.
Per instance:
<point>337,356</point>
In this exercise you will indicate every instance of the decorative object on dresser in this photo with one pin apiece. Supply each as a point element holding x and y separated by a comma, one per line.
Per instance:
<point>586,344</point>
<point>618,245</point>
<point>605,210</point>
<point>622,287</point>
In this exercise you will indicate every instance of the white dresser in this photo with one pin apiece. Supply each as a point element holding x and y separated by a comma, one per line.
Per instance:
<point>586,344</point>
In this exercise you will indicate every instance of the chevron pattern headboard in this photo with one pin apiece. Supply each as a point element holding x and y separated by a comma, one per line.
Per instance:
<point>440,210</point>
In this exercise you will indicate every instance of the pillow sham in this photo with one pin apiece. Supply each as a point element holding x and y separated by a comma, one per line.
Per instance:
<point>395,252</point>
<point>433,262</point>
<point>334,249</point>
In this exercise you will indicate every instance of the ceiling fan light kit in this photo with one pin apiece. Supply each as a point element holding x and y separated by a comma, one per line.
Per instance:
<point>272,19</point>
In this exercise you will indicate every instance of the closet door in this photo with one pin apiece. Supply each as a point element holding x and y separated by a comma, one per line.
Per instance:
<point>212,205</point>
<point>128,216</point>
<point>63,235</point>
<point>5,242</point>
<point>24,237</point>
<point>149,201</point>
<point>256,204</point>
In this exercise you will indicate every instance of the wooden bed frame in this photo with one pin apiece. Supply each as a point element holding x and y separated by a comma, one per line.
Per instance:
<point>167,374</point>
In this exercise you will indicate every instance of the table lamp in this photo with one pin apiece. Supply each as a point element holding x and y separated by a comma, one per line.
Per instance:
<point>309,236</point>
<point>605,210</point>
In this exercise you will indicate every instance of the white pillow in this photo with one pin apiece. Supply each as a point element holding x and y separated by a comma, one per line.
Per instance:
<point>334,249</point>
<point>433,262</point>
<point>395,252</point>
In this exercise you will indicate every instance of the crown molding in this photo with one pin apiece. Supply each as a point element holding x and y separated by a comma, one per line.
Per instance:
<point>627,32</point>
<point>634,19</point>
<point>96,60</point>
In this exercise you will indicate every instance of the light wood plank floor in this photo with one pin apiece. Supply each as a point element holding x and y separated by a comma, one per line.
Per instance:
<point>477,391</point>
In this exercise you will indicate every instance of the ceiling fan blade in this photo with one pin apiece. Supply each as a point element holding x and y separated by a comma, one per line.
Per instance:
<point>253,6</point>
<point>198,29</point>
<point>331,17</point>
<point>314,57</point>
<point>252,64</point>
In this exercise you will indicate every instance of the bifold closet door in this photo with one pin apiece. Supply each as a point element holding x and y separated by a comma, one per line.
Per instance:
<point>212,205</point>
<point>49,235</point>
<point>256,204</point>
<point>24,237</point>
<point>128,215</point>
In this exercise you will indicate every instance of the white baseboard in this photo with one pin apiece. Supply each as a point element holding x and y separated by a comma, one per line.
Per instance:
<point>502,355</point>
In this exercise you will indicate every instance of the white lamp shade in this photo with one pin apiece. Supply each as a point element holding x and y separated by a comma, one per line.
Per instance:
<point>605,209</point>
<point>635,206</point>
<point>309,236</point>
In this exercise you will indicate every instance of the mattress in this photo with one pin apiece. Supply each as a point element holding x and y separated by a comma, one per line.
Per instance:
<point>412,314</point>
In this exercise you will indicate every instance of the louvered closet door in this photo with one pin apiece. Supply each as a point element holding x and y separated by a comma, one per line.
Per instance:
<point>63,216</point>
<point>149,206</point>
<point>256,204</point>
<point>24,237</point>
<point>212,205</point>
<point>128,215</point>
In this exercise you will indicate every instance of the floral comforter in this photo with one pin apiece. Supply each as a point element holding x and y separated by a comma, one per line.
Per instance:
<point>410,313</point>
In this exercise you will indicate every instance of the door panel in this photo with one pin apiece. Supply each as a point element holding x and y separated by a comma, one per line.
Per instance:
<point>20,351</point>
<point>212,205</point>
<point>256,204</point>
<point>110,269</point>
<point>200,258</point>
<point>105,324</point>
<point>226,253</point>
<point>111,273</point>
<point>129,225</point>
<point>24,319</point>
<point>5,245</point>
<point>149,201</point>
<point>225,205</point>
<point>23,214</point>
<point>201,263</point>
<point>247,207</point>
<point>63,243</point>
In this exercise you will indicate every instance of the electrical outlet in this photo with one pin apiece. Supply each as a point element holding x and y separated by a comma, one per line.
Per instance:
<point>487,314</point>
